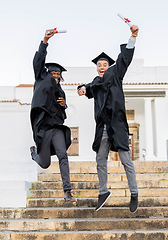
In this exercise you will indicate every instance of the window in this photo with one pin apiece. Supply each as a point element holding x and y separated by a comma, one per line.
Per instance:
<point>73,150</point>
<point>130,114</point>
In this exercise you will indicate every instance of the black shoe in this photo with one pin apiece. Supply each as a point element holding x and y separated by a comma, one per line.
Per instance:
<point>102,199</point>
<point>33,150</point>
<point>133,203</point>
<point>68,197</point>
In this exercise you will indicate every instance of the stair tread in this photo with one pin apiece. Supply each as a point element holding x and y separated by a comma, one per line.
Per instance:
<point>84,219</point>
<point>78,208</point>
<point>109,173</point>
<point>94,231</point>
<point>83,198</point>
<point>83,224</point>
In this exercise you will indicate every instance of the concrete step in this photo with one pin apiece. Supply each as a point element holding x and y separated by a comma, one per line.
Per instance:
<point>92,202</point>
<point>91,193</point>
<point>85,224</point>
<point>73,212</point>
<point>150,163</point>
<point>5,236</point>
<point>111,169</point>
<point>80,163</point>
<point>49,177</point>
<point>94,185</point>
<point>94,235</point>
<point>76,193</point>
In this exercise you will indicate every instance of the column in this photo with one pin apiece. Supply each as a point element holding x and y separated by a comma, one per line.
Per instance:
<point>149,130</point>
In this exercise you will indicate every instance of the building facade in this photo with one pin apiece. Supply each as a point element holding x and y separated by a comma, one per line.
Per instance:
<point>146,95</point>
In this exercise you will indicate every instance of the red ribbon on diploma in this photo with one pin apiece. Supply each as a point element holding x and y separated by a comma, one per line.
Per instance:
<point>55,30</point>
<point>127,20</point>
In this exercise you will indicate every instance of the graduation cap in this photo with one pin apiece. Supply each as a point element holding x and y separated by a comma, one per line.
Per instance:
<point>103,56</point>
<point>54,67</point>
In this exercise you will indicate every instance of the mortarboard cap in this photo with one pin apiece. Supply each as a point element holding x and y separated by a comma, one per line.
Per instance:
<point>54,67</point>
<point>103,56</point>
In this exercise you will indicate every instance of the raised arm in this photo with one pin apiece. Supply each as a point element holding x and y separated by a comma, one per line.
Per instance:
<point>40,55</point>
<point>125,57</point>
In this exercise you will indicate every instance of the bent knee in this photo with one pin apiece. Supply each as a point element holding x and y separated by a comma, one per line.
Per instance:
<point>45,165</point>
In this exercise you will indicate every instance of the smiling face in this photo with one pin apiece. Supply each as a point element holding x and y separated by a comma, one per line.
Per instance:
<point>56,75</point>
<point>102,66</point>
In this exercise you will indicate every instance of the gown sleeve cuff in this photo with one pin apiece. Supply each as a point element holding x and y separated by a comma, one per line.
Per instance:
<point>131,43</point>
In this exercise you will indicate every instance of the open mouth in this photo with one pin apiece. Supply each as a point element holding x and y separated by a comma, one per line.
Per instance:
<point>102,72</point>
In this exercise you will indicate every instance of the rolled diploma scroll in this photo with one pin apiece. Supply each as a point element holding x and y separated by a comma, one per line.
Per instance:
<point>57,31</point>
<point>126,20</point>
<point>82,88</point>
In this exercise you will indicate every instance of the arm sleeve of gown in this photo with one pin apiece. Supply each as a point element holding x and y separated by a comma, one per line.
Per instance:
<point>39,61</point>
<point>123,61</point>
<point>87,88</point>
<point>89,93</point>
<point>131,43</point>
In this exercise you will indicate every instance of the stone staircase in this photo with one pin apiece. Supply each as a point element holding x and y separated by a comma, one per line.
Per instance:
<point>48,217</point>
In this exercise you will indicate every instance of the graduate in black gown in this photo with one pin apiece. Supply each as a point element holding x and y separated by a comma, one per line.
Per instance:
<point>111,123</point>
<point>48,115</point>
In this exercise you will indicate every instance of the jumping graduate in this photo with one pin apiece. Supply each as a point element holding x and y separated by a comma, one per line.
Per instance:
<point>48,115</point>
<point>111,124</point>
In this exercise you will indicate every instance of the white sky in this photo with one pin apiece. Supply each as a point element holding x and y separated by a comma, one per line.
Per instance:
<point>92,27</point>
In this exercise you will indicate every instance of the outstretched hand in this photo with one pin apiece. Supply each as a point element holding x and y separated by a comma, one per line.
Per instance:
<point>48,34</point>
<point>81,92</point>
<point>134,29</point>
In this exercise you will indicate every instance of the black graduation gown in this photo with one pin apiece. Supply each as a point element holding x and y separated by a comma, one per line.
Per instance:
<point>109,103</point>
<point>46,113</point>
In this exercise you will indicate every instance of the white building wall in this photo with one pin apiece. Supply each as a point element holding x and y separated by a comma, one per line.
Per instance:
<point>15,143</point>
<point>17,170</point>
<point>161,105</point>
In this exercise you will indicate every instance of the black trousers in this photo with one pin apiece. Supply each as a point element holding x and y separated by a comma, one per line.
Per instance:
<point>57,139</point>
